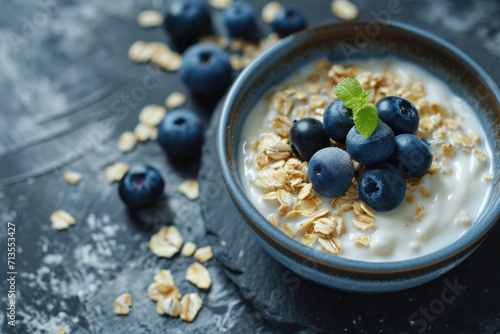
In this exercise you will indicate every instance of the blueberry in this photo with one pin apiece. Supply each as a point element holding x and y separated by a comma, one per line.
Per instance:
<point>240,19</point>
<point>307,137</point>
<point>206,69</point>
<point>181,134</point>
<point>141,186</point>
<point>330,171</point>
<point>187,19</point>
<point>287,21</point>
<point>400,114</point>
<point>412,156</point>
<point>382,187</point>
<point>337,122</point>
<point>376,148</point>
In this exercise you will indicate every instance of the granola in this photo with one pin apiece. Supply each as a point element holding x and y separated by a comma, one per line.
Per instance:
<point>282,178</point>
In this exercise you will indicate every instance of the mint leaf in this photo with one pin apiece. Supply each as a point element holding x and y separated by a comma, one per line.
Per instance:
<point>355,103</point>
<point>347,89</point>
<point>366,95</point>
<point>366,119</point>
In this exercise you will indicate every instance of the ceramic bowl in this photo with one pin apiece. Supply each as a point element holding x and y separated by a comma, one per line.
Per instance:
<point>341,41</point>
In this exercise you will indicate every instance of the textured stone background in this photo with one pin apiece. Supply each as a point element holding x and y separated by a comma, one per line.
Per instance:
<point>63,75</point>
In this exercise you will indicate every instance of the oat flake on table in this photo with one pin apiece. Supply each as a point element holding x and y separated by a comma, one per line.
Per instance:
<point>150,19</point>
<point>345,9</point>
<point>175,100</point>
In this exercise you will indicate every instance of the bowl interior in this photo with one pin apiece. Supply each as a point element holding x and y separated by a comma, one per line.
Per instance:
<point>354,41</point>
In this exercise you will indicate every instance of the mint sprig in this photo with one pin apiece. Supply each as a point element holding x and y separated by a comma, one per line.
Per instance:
<point>365,116</point>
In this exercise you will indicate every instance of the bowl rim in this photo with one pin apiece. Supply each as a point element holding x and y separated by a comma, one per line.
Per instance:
<point>464,243</point>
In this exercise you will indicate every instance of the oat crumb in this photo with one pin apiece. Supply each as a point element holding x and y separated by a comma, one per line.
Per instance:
<point>190,306</point>
<point>150,19</point>
<point>126,142</point>
<point>410,198</point>
<point>474,136</point>
<point>144,132</point>
<point>419,212</point>
<point>175,100</point>
<point>220,4</point>
<point>199,275</point>
<point>61,220</point>
<point>167,242</point>
<point>424,192</point>
<point>190,189</point>
<point>363,241</point>
<point>270,10</point>
<point>122,304</point>
<point>344,9</point>
<point>479,155</point>
<point>172,307</point>
<point>463,219</point>
<point>203,254</point>
<point>188,249</point>
<point>448,150</point>
<point>72,177</point>
<point>152,115</point>
<point>116,171</point>
<point>236,62</point>
<point>138,52</point>
<point>487,177</point>
<point>274,220</point>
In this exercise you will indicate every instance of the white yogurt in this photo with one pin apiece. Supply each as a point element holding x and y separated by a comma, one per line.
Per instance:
<point>456,200</point>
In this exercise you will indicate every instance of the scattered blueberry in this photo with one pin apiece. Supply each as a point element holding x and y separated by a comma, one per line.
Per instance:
<point>308,136</point>
<point>287,21</point>
<point>330,171</point>
<point>141,186</point>
<point>412,155</point>
<point>206,69</point>
<point>187,19</point>
<point>400,114</point>
<point>376,148</point>
<point>180,133</point>
<point>337,123</point>
<point>381,187</point>
<point>240,19</point>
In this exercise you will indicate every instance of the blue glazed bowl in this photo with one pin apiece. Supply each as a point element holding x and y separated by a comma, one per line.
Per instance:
<point>339,41</point>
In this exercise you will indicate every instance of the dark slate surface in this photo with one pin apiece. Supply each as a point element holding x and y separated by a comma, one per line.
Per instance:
<point>65,80</point>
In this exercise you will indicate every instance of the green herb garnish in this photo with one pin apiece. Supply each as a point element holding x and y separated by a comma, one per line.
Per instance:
<point>365,116</point>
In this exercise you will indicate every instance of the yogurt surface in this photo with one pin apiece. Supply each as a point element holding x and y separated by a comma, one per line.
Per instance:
<point>451,199</point>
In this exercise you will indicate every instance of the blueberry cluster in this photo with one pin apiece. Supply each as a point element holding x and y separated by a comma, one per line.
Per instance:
<point>180,133</point>
<point>391,153</point>
<point>207,71</point>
